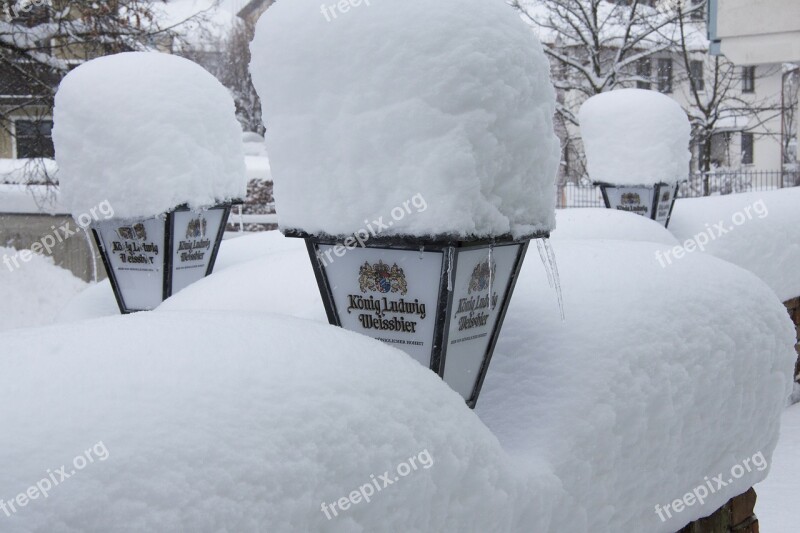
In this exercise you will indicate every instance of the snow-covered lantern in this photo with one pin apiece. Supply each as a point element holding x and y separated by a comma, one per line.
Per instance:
<point>418,167</point>
<point>151,141</point>
<point>637,150</point>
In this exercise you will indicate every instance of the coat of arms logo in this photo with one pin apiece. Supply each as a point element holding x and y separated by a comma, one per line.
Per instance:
<point>135,232</point>
<point>631,198</point>
<point>482,275</point>
<point>380,277</point>
<point>196,228</point>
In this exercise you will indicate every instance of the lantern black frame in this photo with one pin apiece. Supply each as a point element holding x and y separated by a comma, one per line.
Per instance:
<point>450,248</point>
<point>169,222</point>
<point>658,188</point>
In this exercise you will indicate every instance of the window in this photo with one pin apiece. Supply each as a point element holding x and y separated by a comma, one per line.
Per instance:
<point>748,79</point>
<point>700,151</point>
<point>34,138</point>
<point>721,149</point>
<point>649,3</point>
<point>747,148</point>
<point>644,71</point>
<point>699,12</point>
<point>664,75</point>
<point>696,75</point>
<point>30,14</point>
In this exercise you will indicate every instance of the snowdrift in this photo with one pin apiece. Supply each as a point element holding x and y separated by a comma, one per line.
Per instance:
<point>242,422</point>
<point>759,231</point>
<point>657,378</point>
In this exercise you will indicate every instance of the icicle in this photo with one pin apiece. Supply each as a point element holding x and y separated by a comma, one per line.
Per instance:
<point>491,278</point>
<point>450,269</point>
<point>92,251</point>
<point>548,257</point>
<point>545,262</point>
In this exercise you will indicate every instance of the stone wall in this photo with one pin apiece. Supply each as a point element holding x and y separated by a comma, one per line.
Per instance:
<point>736,516</point>
<point>794,311</point>
<point>77,254</point>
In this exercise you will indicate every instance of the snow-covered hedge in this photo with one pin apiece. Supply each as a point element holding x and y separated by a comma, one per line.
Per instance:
<point>241,422</point>
<point>657,378</point>
<point>759,231</point>
<point>604,224</point>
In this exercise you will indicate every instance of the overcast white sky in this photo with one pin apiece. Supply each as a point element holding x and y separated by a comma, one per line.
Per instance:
<point>231,5</point>
<point>176,11</point>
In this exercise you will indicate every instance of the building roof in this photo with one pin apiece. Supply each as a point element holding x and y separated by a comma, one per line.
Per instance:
<point>754,33</point>
<point>254,7</point>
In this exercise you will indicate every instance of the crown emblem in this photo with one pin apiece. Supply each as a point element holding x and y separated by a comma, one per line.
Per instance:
<point>382,278</point>
<point>130,233</point>
<point>631,198</point>
<point>196,228</point>
<point>482,275</point>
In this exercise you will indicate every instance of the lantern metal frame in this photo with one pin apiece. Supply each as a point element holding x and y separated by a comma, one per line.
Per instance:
<point>169,224</point>
<point>658,188</point>
<point>450,248</point>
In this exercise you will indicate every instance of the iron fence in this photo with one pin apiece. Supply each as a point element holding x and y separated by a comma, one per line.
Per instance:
<point>697,185</point>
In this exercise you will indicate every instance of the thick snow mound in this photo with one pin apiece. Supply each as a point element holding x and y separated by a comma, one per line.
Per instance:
<point>272,283</point>
<point>630,399</point>
<point>94,302</point>
<point>29,171</point>
<point>758,231</point>
<point>240,422</point>
<point>31,199</point>
<point>368,107</point>
<point>251,287</point>
<point>635,137</point>
<point>628,402</point>
<point>254,144</point>
<point>146,132</point>
<point>657,378</point>
<point>604,224</point>
<point>34,293</point>
<point>240,248</point>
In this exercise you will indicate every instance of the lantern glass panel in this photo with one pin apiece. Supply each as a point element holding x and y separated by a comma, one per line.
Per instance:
<point>387,294</point>
<point>194,235</point>
<point>481,284</point>
<point>135,252</point>
<point>637,200</point>
<point>666,196</point>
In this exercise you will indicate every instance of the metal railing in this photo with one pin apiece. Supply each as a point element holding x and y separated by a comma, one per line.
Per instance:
<point>240,221</point>
<point>697,185</point>
<point>731,182</point>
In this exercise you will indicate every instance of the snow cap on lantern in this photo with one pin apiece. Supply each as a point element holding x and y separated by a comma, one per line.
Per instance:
<point>146,132</point>
<point>152,142</point>
<point>377,105</point>
<point>428,141</point>
<point>635,137</point>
